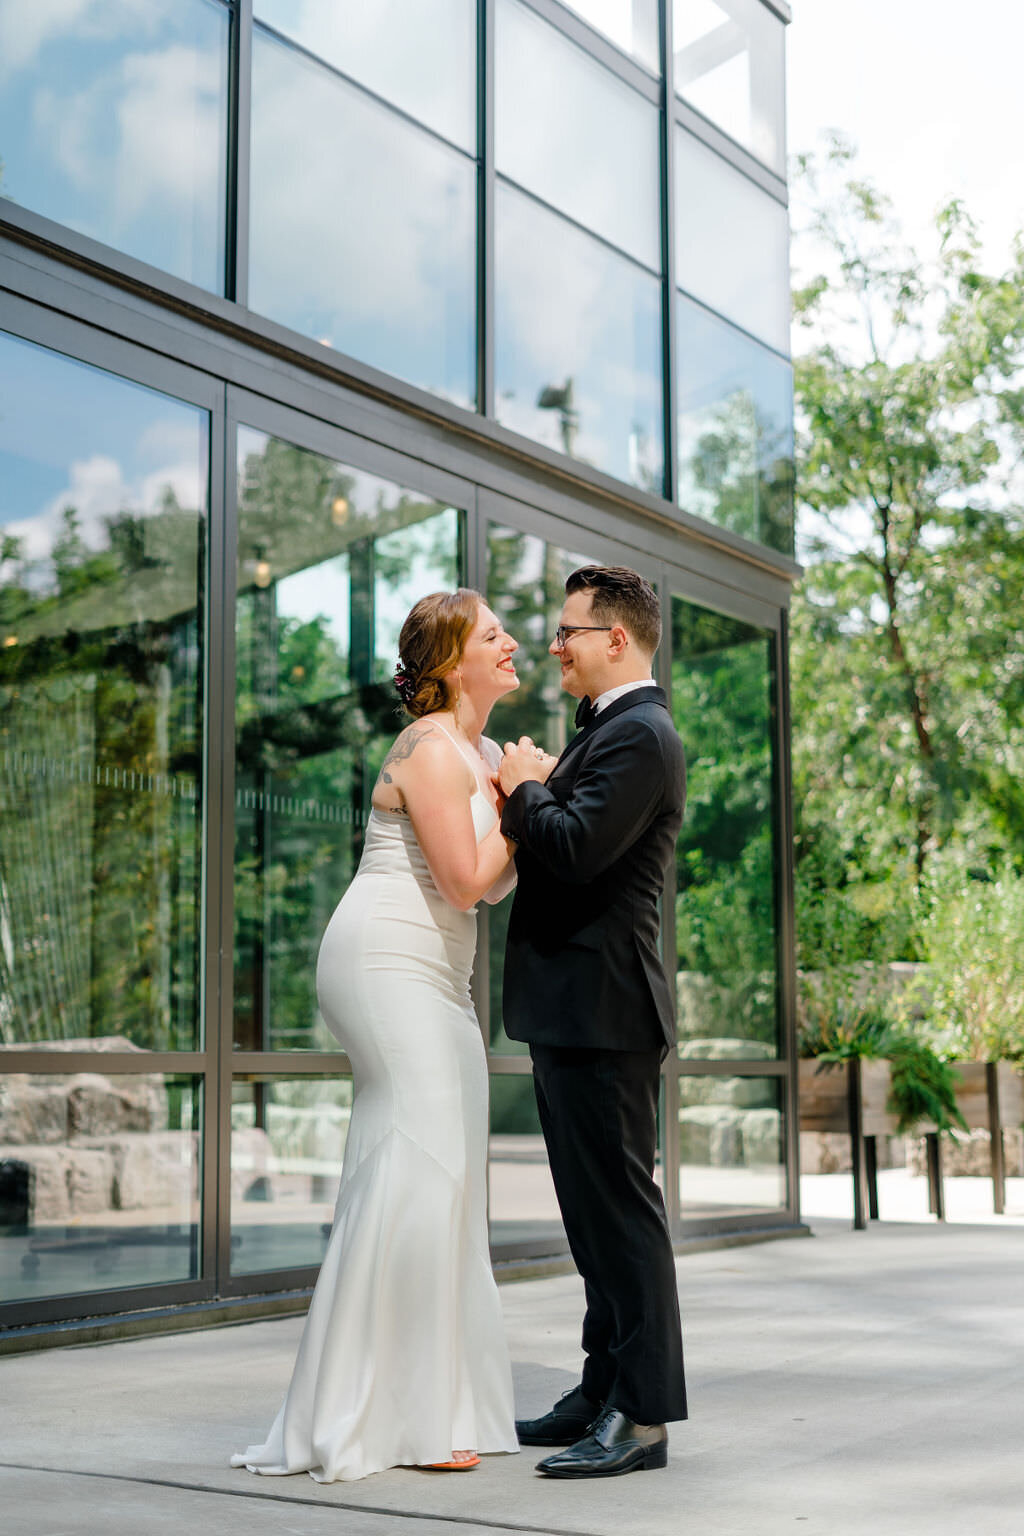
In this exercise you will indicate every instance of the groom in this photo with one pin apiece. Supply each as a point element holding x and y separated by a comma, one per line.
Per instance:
<point>584,984</point>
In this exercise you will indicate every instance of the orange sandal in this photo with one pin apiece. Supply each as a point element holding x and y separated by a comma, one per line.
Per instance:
<point>454,1466</point>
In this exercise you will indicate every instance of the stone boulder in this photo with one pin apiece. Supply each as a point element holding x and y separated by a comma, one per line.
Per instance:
<point>32,1113</point>
<point>63,1182</point>
<point>711,1136</point>
<point>103,1106</point>
<point>968,1154</point>
<point>726,1048</point>
<point>153,1172</point>
<point>734,1092</point>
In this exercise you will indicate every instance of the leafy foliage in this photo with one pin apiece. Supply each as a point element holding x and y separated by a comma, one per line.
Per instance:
<point>908,627</point>
<point>922,1087</point>
<point>973,938</point>
<point>848,1014</point>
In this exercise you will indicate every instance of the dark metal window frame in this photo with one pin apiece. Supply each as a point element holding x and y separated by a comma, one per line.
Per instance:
<point>79,297</point>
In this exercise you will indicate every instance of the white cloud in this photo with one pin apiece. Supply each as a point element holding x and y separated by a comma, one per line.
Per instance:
<point>98,489</point>
<point>26,26</point>
<point>166,110</point>
<point>350,213</point>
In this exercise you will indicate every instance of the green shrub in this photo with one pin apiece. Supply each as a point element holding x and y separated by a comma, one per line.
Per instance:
<point>846,1016</point>
<point>973,938</point>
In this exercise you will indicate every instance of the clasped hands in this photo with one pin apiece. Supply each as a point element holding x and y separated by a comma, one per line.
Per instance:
<point>523,760</point>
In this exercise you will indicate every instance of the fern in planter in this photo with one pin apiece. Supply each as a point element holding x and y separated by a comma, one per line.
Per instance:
<point>922,1087</point>
<point>839,1025</point>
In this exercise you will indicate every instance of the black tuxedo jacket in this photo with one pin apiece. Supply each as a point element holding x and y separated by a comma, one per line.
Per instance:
<point>582,965</point>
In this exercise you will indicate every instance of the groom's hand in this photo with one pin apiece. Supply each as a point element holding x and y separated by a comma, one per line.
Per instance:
<point>524,760</point>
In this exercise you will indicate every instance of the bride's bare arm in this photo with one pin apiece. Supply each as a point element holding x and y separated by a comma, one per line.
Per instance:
<point>436,785</point>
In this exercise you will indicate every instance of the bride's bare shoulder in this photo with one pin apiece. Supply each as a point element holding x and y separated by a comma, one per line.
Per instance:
<point>421,734</point>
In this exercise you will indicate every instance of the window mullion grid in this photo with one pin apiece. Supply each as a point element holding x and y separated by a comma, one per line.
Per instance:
<point>485,400</point>
<point>668,259</point>
<point>239,139</point>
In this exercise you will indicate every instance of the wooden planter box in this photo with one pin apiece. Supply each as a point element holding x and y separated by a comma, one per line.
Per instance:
<point>990,1096</point>
<point>850,1097</point>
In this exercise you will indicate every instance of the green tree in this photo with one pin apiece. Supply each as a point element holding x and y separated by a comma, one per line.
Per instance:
<point>908,626</point>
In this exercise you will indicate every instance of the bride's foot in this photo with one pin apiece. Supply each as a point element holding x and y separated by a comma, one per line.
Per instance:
<point>461,1461</point>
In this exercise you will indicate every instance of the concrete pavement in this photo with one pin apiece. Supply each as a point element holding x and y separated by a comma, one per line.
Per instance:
<point>849,1383</point>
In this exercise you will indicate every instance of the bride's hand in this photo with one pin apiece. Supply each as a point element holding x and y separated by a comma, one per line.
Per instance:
<point>524,760</point>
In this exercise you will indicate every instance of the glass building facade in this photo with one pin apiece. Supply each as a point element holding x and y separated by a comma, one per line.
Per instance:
<point>307,310</point>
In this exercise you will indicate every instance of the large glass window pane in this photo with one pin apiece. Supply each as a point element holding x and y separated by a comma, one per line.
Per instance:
<point>99,1181</point>
<point>731,1147</point>
<point>330,560</point>
<point>287,1146</point>
<point>732,243</point>
<point>418,54</point>
<point>526,588</point>
<point>569,130</point>
<point>522,1205</point>
<point>113,120</point>
<point>362,226</point>
<point>102,516</point>
<point>722,703</point>
<point>577,344</point>
<point>730,64</point>
<point>735,429</point>
<point>632,25</point>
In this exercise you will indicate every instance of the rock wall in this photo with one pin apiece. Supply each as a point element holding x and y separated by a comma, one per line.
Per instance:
<point>85,1144</point>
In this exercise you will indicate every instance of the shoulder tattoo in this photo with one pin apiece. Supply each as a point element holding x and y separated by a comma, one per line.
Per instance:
<point>404,746</point>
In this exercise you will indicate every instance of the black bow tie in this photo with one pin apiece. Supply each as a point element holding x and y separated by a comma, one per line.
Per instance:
<point>585,713</point>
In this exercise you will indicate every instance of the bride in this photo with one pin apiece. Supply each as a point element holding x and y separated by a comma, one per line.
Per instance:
<point>403,1360</point>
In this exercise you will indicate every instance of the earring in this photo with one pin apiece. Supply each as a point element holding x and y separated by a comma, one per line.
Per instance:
<point>458,699</point>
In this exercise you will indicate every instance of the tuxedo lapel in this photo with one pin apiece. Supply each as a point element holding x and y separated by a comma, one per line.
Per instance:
<point>651,695</point>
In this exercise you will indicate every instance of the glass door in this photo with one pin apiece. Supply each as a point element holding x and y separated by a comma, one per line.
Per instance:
<point>330,556</point>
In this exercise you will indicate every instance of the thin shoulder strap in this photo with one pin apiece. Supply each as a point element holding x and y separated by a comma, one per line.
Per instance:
<point>471,760</point>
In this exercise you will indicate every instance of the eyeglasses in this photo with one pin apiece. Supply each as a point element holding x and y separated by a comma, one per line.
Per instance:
<point>565,632</point>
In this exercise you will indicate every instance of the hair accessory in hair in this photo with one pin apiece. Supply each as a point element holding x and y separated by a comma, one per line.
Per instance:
<point>404,683</point>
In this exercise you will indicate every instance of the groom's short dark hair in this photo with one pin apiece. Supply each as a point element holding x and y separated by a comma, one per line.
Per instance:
<point>621,596</point>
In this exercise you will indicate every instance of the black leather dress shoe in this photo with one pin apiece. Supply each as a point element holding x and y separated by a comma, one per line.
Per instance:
<point>614,1445</point>
<point>567,1422</point>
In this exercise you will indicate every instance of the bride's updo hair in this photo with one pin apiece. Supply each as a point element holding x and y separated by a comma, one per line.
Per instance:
<point>432,643</point>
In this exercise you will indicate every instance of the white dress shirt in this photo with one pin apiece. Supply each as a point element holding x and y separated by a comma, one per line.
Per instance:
<point>611,694</point>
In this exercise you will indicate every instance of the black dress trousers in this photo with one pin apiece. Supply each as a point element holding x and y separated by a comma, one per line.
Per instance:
<point>598,1111</point>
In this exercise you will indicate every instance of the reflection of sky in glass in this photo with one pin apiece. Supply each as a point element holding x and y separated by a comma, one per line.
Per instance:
<point>732,243</point>
<point>730,64</point>
<point>632,25</point>
<point>71,435</point>
<point>738,397</point>
<point>427,551</point>
<point>362,227</point>
<point>418,54</point>
<point>571,312</point>
<point>113,121</point>
<point>570,131</point>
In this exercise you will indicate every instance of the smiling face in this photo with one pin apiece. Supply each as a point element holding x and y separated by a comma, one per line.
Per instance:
<point>583,657</point>
<point>486,669</point>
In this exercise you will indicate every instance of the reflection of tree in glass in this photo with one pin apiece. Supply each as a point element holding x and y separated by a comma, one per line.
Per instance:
<point>725,903</point>
<point>526,588</point>
<point>741,469</point>
<point>99,757</point>
<point>315,711</point>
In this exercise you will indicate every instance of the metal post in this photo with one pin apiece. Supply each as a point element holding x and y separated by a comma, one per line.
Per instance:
<point>995,1131</point>
<point>871,1166</point>
<point>936,1197</point>
<point>855,1104</point>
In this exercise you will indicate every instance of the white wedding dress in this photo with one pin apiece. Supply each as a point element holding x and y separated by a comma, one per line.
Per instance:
<point>403,1358</point>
